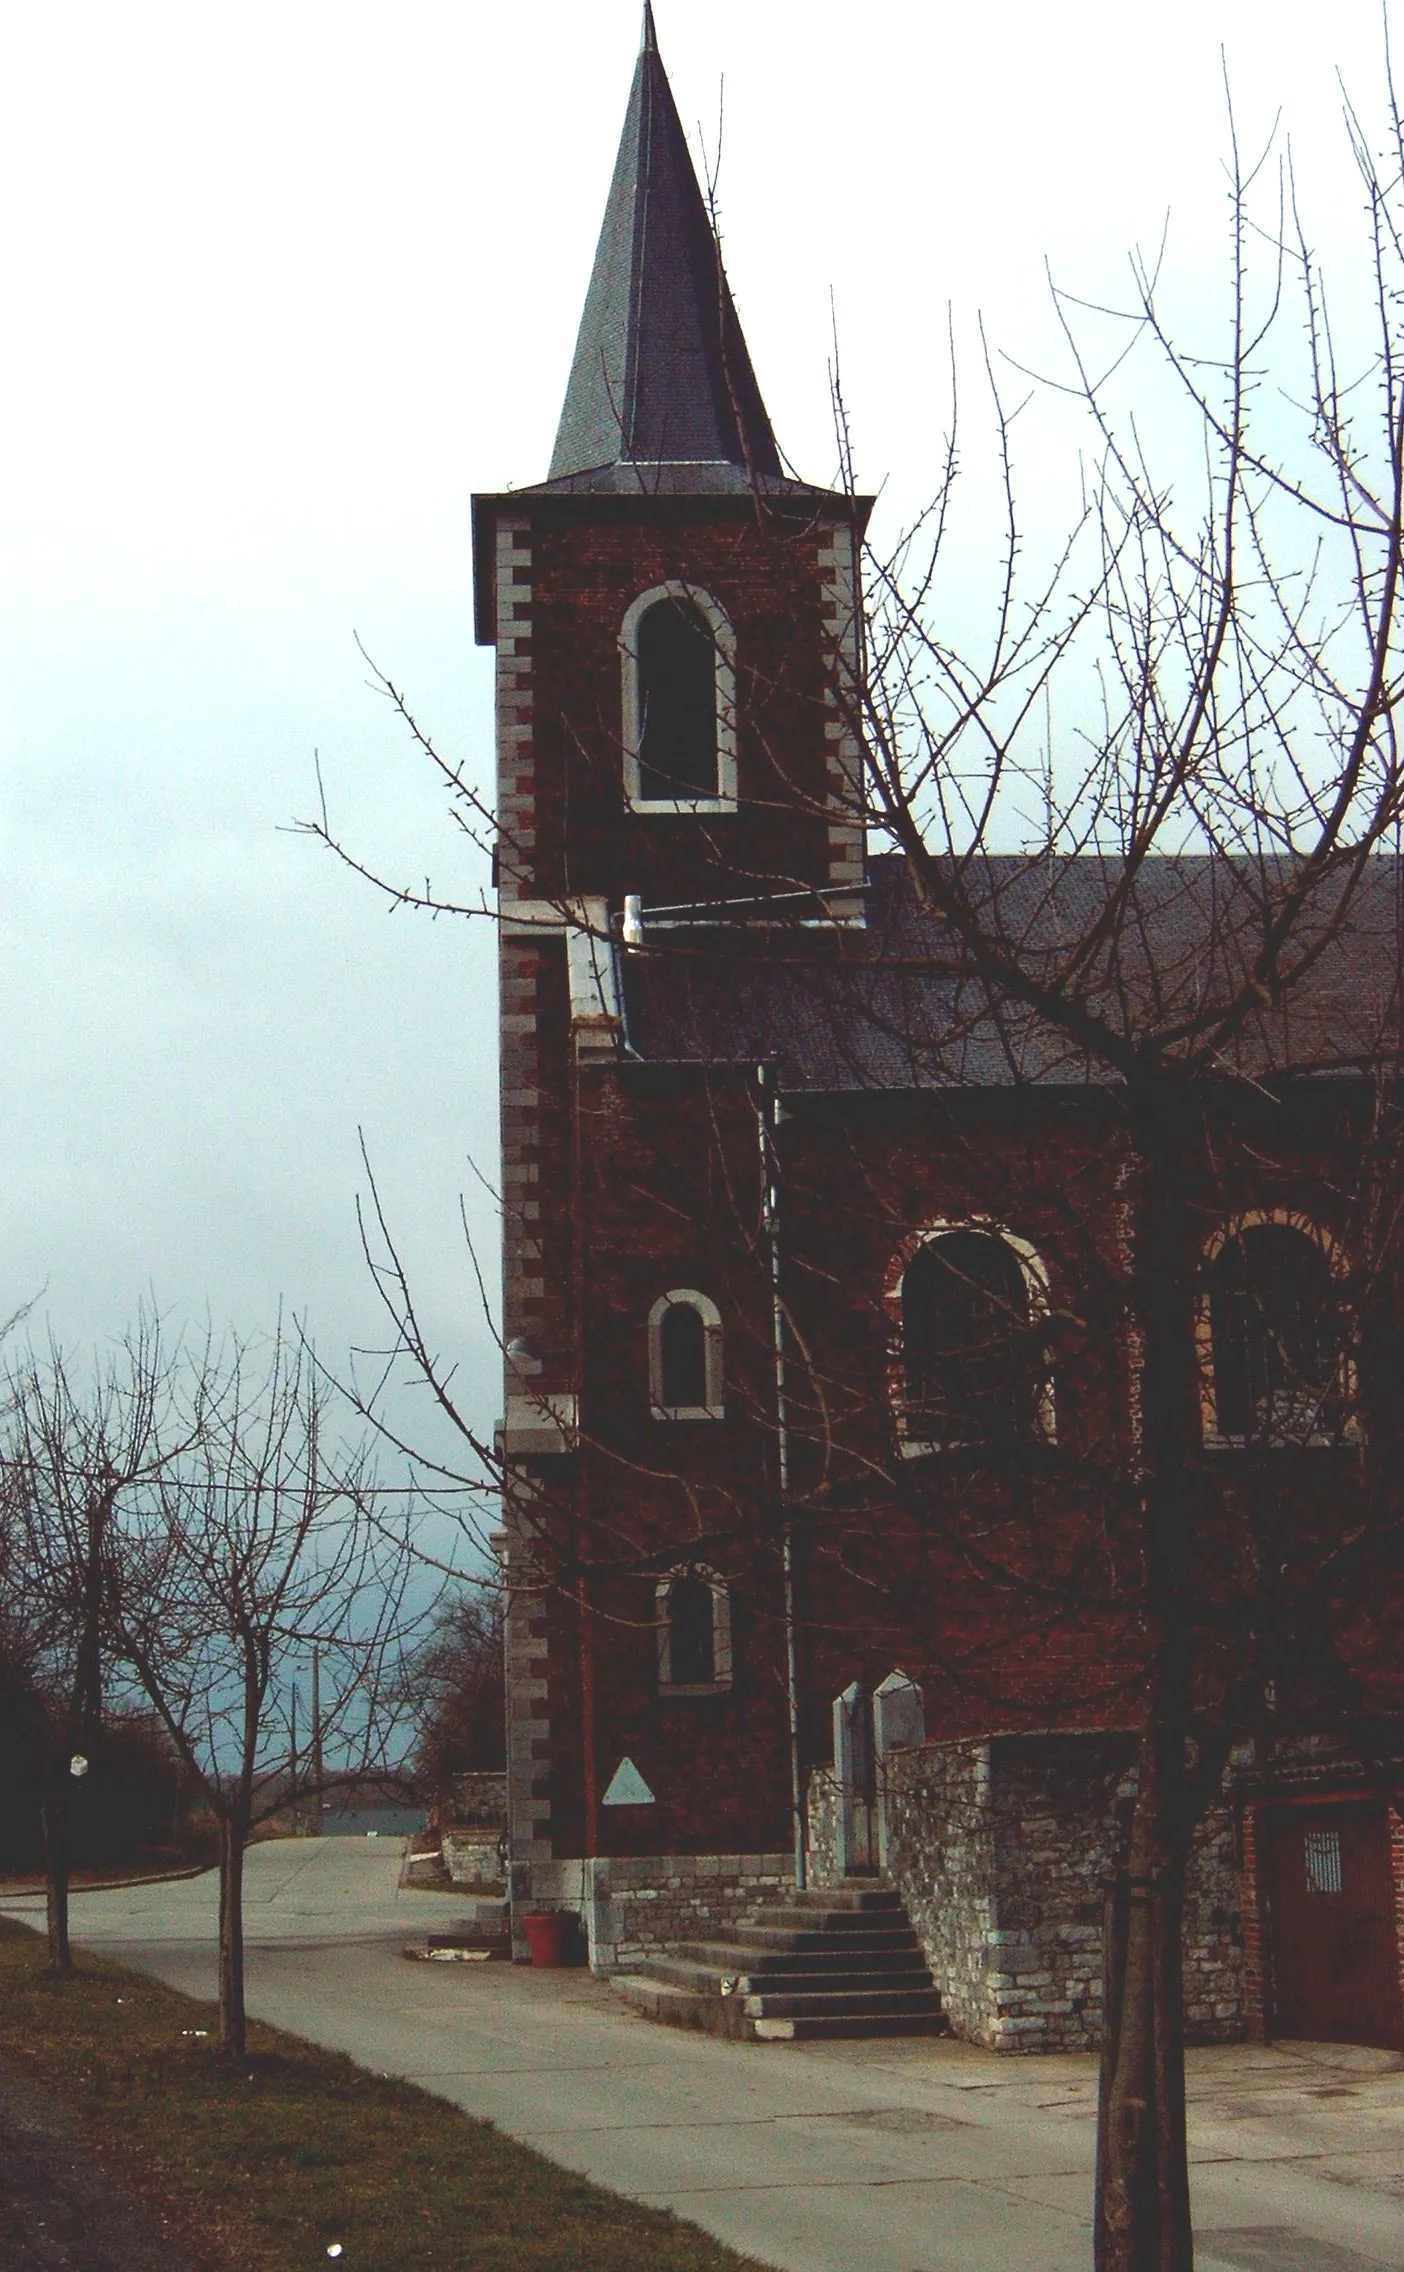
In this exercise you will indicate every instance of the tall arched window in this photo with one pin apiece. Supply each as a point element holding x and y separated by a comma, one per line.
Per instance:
<point>694,1631</point>
<point>1277,1335</point>
<point>682,1356</point>
<point>972,1360</point>
<point>679,688</point>
<point>685,1357</point>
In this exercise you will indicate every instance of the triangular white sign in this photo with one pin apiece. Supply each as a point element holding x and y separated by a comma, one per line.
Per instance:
<point>628,1788</point>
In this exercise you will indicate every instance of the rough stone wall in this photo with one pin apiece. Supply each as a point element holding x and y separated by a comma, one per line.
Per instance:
<point>472,1857</point>
<point>634,1905</point>
<point>1001,1851</point>
<point>476,1798</point>
<point>940,1852</point>
<point>1054,1803</point>
<point>821,1836</point>
<point>1216,1993</point>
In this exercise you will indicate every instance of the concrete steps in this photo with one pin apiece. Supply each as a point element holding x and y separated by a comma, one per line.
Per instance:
<point>793,1940</point>
<point>698,1970</point>
<point>834,1962</point>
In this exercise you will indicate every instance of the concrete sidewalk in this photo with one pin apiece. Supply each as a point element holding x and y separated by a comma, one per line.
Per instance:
<point>924,2156</point>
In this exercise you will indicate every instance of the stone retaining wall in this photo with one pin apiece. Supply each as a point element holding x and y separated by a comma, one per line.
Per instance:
<point>941,1856</point>
<point>472,1856</point>
<point>1001,1850</point>
<point>635,1905</point>
<point>475,1799</point>
<point>821,1843</point>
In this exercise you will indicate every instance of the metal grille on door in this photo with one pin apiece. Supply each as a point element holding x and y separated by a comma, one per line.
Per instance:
<point>1322,1851</point>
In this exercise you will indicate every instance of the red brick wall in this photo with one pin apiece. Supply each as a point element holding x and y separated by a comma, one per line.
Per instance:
<point>669,1198</point>
<point>1008,1590</point>
<point>764,572</point>
<point>1256,1927</point>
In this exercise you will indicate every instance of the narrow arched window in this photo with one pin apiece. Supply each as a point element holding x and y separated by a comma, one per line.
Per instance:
<point>970,1357</point>
<point>679,741</point>
<point>682,1356</point>
<point>685,1357</point>
<point>694,1631</point>
<point>691,1632</point>
<point>1276,1330</point>
<point>677,704</point>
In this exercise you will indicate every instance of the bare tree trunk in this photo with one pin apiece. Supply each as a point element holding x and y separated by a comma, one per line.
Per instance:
<point>232,2022</point>
<point>54,1816</point>
<point>1143,2210</point>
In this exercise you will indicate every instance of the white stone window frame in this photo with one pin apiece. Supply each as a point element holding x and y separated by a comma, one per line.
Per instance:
<point>1035,1272</point>
<point>721,1632</point>
<point>687,1297</point>
<point>1347,1385</point>
<point>724,646</point>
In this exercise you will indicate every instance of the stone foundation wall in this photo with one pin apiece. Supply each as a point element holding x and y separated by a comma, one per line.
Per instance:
<point>1216,1989</point>
<point>821,1836</point>
<point>472,1857</point>
<point>941,1857</point>
<point>632,1906</point>
<point>1001,1851</point>
<point>476,1799</point>
<point>1055,1805</point>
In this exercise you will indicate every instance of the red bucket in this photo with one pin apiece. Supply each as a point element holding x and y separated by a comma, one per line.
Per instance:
<point>553,1936</point>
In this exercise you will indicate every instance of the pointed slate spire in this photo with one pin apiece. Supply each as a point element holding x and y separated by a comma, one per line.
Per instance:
<point>661,375</point>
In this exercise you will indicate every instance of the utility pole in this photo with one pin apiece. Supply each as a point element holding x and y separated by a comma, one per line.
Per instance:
<point>316,1741</point>
<point>768,1111</point>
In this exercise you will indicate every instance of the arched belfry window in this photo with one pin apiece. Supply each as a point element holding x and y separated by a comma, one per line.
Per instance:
<point>678,657</point>
<point>973,1366</point>
<point>1275,1333</point>
<point>685,1357</point>
<point>693,1610</point>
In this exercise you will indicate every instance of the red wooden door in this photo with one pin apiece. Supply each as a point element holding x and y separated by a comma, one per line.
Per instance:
<point>1335,1949</point>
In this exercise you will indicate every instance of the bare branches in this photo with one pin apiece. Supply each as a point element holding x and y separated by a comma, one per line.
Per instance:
<point>194,1529</point>
<point>468,809</point>
<point>1225,654</point>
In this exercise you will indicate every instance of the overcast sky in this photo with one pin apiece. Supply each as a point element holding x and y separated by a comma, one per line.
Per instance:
<point>282,287</point>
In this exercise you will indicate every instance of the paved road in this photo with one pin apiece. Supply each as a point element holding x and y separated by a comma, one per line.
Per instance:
<point>904,2157</point>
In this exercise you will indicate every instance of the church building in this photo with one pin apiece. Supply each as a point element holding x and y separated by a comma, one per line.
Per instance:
<point>814,1385</point>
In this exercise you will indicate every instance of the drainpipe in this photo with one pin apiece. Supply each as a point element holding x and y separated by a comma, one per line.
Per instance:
<point>581,1492</point>
<point>767,1120</point>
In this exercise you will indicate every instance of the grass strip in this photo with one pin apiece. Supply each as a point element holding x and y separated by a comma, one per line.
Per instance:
<point>294,2158</point>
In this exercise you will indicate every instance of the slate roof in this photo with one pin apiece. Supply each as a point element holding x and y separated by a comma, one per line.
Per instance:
<point>662,394</point>
<point>896,1008</point>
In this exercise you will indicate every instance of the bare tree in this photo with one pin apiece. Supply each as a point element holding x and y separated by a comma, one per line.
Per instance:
<point>258,1542</point>
<point>1231,654</point>
<point>75,1446</point>
<point>454,1686</point>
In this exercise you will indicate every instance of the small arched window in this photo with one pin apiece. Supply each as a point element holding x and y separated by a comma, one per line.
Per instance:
<point>693,1608</point>
<point>1277,1335</point>
<point>972,1360</point>
<point>679,685</point>
<point>685,1357</point>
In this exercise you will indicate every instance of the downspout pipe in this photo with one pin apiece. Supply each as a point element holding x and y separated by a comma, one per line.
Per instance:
<point>768,1115</point>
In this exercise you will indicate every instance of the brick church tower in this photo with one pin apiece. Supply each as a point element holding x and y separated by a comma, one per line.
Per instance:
<point>674,623</point>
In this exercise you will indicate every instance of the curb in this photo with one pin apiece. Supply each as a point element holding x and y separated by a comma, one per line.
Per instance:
<point>109,1885</point>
